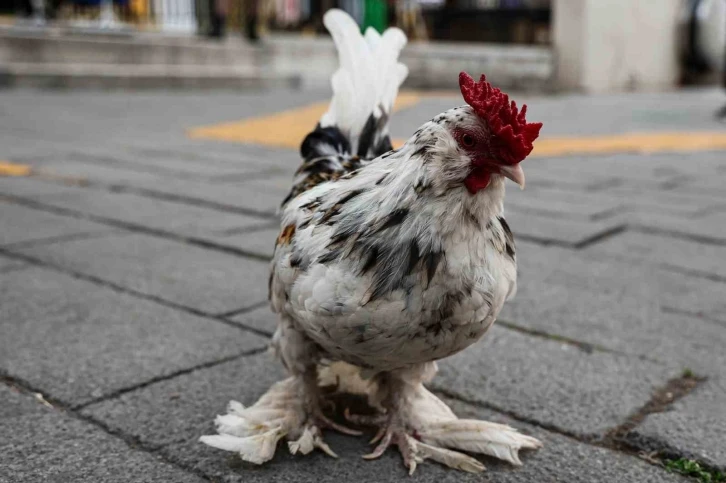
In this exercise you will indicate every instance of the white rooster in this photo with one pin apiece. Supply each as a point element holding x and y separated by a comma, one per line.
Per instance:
<point>387,261</point>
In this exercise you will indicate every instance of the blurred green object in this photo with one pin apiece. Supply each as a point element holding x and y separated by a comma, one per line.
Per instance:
<point>376,15</point>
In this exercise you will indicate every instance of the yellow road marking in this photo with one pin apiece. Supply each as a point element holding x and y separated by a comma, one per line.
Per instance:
<point>285,129</point>
<point>630,143</point>
<point>14,169</point>
<point>623,143</point>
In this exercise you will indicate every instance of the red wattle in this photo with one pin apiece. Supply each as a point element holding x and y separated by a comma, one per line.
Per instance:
<point>478,179</point>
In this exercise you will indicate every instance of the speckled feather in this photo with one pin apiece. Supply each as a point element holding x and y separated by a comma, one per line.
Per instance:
<point>398,264</point>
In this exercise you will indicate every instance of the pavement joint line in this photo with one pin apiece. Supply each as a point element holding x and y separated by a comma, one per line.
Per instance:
<point>243,230</point>
<point>662,400</point>
<point>580,245</point>
<point>245,177</point>
<point>107,160</point>
<point>166,377</point>
<point>606,214</point>
<point>88,235</point>
<point>187,200</point>
<point>608,441</point>
<point>221,247</point>
<point>133,443</point>
<point>601,236</point>
<point>153,194</point>
<point>512,414</point>
<point>127,291</point>
<point>193,156</point>
<point>695,315</point>
<point>243,310</point>
<point>136,228</point>
<point>603,185</point>
<point>695,273</point>
<point>586,347</point>
<point>701,239</point>
<point>135,167</point>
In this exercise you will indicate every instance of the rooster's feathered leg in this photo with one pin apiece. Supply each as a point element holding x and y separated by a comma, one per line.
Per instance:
<point>422,426</point>
<point>290,409</point>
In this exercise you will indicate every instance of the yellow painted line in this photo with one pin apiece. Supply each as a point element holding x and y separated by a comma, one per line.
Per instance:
<point>630,143</point>
<point>641,143</point>
<point>285,129</point>
<point>14,169</point>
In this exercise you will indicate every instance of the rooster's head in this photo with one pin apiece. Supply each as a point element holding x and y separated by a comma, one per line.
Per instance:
<point>491,135</point>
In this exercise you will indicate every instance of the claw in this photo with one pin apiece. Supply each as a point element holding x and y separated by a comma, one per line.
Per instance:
<point>378,436</point>
<point>322,445</point>
<point>325,422</point>
<point>381,448</point>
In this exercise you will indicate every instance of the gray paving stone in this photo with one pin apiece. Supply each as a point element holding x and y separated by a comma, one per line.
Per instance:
<point>688,256</point>
<point>31,187</point>
<point>16,404</point>
<point>41,444</point>
<point>176,412</point>
<point>572,206</point>
<point>550,382</point>
<point>710,227</point>
<point>237,194</point>
<point>95,341</point>
<point>261,242</point>
<point>183,408</point>
<point>112,174</point>
<point>22,225</point>
<point>10,264</point>
<point>125,161</point>
<point>206,280</point>
<point>559,230</point>
<point>543,381</point>
<point>171,216</point>
<point>203,163</point>
<point>628,306</point>
<point>561,460</point>
<point>693,426</point>
<point>262,319</point>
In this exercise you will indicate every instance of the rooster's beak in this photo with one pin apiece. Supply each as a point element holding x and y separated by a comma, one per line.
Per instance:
<point>513,172</point>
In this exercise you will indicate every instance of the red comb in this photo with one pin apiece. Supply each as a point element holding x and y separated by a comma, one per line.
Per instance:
<point>513,135</point>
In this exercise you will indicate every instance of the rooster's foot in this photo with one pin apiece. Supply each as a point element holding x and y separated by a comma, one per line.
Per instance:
<point>427,429</point>
<point>283,411</point>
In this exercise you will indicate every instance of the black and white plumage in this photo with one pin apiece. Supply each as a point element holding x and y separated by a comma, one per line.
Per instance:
<point>387,261</point>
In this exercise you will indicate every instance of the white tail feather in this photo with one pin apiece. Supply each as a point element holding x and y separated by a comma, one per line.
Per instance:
<point>369,75</point>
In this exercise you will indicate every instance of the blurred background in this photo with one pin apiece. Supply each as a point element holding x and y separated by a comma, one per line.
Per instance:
<point>146,145</point>
<point>583,45</point>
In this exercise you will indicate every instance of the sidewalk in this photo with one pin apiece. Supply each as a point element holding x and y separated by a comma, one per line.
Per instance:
<point>133,270</point>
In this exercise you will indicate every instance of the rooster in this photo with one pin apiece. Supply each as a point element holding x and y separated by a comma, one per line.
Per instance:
<point>387,261</point>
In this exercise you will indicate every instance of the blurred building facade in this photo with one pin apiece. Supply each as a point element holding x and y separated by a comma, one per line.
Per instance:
<point>594,45</point>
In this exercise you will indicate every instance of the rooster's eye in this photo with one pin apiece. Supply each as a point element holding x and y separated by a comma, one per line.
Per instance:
<point>467,140</point>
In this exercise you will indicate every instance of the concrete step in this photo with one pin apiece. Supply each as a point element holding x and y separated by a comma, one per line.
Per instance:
<point>310,59</point>
<point>110,76</point>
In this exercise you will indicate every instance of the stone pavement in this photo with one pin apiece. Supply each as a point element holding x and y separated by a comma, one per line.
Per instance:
<point>133,273</point>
